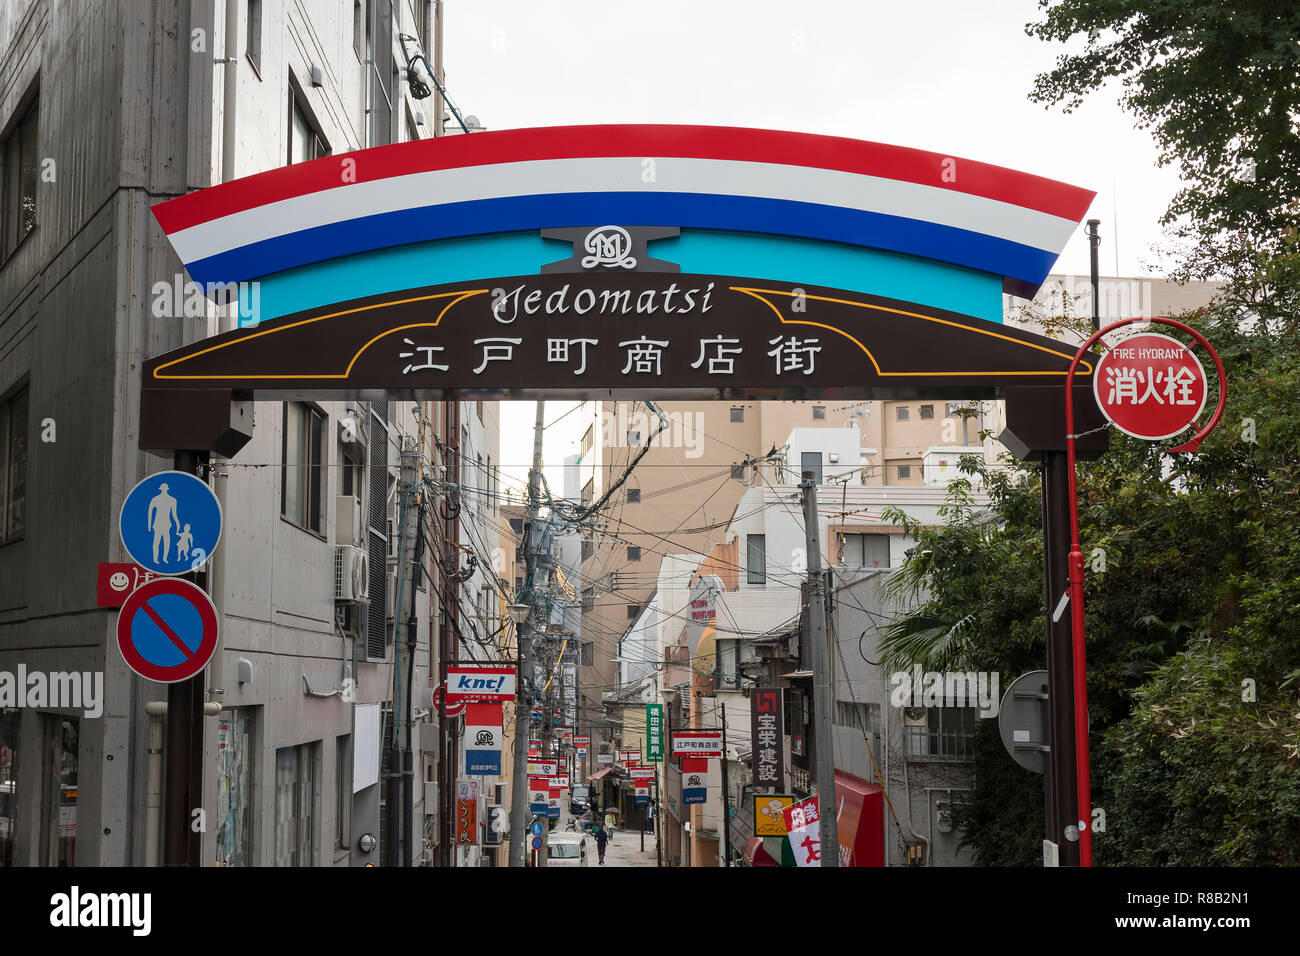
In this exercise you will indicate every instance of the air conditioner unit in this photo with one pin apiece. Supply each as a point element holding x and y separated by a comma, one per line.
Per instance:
<point>347,520</point>
<point>351,575</point>
<point>914,717</point>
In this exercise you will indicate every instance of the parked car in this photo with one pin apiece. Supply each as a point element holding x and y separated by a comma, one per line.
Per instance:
<point>567,849</point>
<point>579,799</point>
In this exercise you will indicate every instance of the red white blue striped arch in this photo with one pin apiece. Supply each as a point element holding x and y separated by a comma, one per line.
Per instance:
<point>951,210</point>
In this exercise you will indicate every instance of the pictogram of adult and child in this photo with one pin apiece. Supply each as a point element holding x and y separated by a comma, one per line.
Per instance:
<point>171,523</point>
<point>162,515</point>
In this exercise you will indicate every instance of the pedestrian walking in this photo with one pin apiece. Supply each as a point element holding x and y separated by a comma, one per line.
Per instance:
<point>609,822</point>
<point>602,838</point>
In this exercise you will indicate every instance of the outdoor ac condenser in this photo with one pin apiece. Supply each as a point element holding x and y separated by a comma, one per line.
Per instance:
<point>351,575</point>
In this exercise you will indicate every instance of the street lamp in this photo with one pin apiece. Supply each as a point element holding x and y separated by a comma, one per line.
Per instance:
<point>519,613</point>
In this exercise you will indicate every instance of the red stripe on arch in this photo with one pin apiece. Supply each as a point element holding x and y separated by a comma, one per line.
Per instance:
<point>576,142</point>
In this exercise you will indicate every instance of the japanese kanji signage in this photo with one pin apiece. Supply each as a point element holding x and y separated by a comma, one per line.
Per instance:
<point>622,331</point>
<point>654,729</point>
<point>466,811</point>
<point>1150,386</point>
<point>695,780</point>
<point>629,757</point>
<point>767,719</point>
<point>697,743</point>
<point>803,825</point>
<point>483,739</point>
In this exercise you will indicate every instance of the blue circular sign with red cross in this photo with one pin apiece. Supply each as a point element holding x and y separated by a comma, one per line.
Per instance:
<point>167,630</point>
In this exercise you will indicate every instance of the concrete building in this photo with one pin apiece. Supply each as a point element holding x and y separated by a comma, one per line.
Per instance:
<point>165,99</point>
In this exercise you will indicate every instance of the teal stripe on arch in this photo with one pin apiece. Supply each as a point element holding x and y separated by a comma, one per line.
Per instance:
<point>776,258</point>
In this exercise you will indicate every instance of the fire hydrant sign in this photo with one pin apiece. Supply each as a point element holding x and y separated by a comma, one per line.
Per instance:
<point>1150,386</point>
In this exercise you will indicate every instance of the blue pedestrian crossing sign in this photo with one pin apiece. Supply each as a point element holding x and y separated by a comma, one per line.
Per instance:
<point>536,828</point>
<point>170,523</point>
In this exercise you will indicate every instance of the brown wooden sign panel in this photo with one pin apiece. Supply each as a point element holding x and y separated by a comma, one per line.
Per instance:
<point>576,336</point>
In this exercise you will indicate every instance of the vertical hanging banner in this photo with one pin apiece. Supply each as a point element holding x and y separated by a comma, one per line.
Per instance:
<point>654,729</point>
<point>767,719</point>
<point>804,827</point>
<point>695,780</point>
<point>539,794</point>
<point>483,739</point>
<point>466,811</point>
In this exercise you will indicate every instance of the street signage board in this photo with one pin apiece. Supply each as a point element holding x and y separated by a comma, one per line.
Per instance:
<point>695,780</point>
<point>654,729</point>
<point>605,758</point>
<point>170,523</point>
<point>453,710</point>
<point>537,843</point>
<point>769,813</point>
<point>629,756</point>
<point>559,783</point>
<point>167,630</point>
<point>582,740</point>
<point>483,738</point>
<point>543,768</point>
<point>697,743</point>
<point>480,683</point>
<point>767,717</point>
<point>803,825</point>
<point>1023,721</point>
<point>582,753</point>
<point>116,580</point>
<point>1150,386</point>
<point>536,827</point>
<point>539,795</point>
<point>642,773</point>
<point>467,811</point>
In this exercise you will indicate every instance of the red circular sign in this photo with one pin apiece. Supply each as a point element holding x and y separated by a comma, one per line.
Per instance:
<point>453,710</point>
<point>1150,386</point>
<point>167,630</point>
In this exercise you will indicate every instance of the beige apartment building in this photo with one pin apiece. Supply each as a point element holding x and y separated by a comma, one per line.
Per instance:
<point>685,489</point>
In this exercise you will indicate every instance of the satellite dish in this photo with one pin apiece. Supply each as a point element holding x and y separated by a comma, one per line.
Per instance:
<point>472,123</point>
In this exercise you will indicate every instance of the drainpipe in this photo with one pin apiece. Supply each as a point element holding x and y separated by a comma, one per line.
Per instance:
<point>153,785</point>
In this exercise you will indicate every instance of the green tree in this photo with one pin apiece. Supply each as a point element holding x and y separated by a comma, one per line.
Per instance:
<point>1219,86</point>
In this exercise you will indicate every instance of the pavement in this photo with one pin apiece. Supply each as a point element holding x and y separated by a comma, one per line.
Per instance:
<point>624,849</point>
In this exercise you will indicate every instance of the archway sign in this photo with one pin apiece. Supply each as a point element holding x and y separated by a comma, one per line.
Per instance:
<point>630,262</point>
<point>618,261</point>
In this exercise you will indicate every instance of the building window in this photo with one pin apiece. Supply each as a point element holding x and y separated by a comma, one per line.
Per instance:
<point>59,808</point>
<point>940,731</point>
<point>756,559</point>
<point>738,414</point>
<point>728,675</point>
<point>305,142</point>
<point>927,412</point>
<point>864,550</point>
<point>586,443</point>
<point>902,413</point>
<point>633,553</point>
<point>811,461</point>
<point>18,169</point>
<point>10,723</point>
<point>632,611</point>
<point>819,413</point>
<point>588,492</point>
<point>904,472</point>
<point>300,486</point>
<point>235,764</point>
<point>342,790</point>
<point>588,602</point>
<point>254,37</point>
<point>634,496</point>
<point>588,650</point>
<point>358,28</point>
<point>295,783</point>
<point>13,467</point>
<point>588,549</point>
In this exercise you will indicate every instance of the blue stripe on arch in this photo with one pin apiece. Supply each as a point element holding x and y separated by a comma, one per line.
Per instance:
<point>688,210</point>
<point>701,251</point>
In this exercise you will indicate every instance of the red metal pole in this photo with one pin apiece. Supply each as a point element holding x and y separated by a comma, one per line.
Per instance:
<point>1076,562</point>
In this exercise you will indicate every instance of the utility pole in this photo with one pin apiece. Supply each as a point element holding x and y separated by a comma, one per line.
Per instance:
<point>726,793</point>
<point>1094,242</point>
<point>519,788</point>
<point>400,781</point>
<point>823,750</point>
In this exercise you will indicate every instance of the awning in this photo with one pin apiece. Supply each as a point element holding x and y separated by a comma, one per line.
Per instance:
<point>598,774</point>
<point>861,821</point>
<point>755,855</point>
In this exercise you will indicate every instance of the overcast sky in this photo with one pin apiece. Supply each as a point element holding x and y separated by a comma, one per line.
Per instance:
<point>951,76</point>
